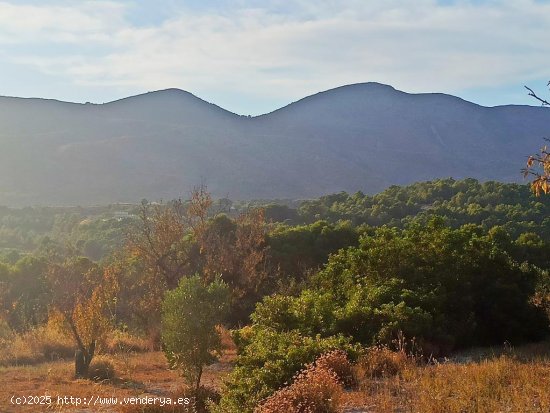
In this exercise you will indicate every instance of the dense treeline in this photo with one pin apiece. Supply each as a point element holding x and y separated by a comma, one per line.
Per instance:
<point>94,231</point>
<point>298,241</point>
<point>467,201</point>
<point>97,231</point>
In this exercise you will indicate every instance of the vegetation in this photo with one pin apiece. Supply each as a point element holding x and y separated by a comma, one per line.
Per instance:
<point>538,166</point>
<point>191,314</point>
<point>316,389</point>
<point>81,294</point>
<point>317,294</point>
<point>268,360</point>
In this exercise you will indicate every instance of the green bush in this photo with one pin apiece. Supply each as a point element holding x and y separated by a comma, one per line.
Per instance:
<point>190,316</point>
<point>447,288</point>
<point>268,360</point>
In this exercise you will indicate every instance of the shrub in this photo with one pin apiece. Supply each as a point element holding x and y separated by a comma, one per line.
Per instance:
<point>101,369</point>
<point>380,361</point>
<point>452,288</point>
<point>316,389</point>
<point>123,342</point>
<point>190,315</point>
<point>336,361</point>
<point>268,360</point>
<point>201,398</point>
<point>41,344</point>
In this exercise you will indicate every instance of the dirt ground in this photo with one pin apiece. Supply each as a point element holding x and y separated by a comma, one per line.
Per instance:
<point>143,374</point>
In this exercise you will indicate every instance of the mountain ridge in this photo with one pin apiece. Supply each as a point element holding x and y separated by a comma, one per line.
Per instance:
<point>159,144</point>
<point>191,94</point>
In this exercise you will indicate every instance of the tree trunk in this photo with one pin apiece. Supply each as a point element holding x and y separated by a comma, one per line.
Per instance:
<point>83,356</point>
<point>198,385</point>
<point>80,369</point>
<point>82,360</point>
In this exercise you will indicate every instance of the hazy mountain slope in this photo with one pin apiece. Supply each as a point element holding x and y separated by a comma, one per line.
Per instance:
<point>158,145</point>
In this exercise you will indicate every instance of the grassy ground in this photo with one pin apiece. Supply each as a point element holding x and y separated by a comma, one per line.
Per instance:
<point>478,382</point>
<point>506,380</point>
<point>136,375</point>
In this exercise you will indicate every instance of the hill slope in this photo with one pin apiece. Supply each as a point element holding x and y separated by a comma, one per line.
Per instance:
<point>158,145</point>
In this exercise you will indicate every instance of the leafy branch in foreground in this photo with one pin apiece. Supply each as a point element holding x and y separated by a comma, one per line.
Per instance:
<point>539,165</point>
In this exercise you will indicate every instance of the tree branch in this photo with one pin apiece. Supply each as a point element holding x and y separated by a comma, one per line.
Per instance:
<point>533,94</point>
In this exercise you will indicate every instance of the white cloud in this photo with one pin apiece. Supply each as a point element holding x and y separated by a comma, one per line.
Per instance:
<point>29,23</point>
<point>285,50</point>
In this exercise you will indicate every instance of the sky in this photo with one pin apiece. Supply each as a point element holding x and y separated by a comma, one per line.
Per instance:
<point>252,57</point>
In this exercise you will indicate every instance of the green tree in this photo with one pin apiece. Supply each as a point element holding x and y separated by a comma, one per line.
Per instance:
<point>25,293</point>
<point>191,314</point>
<point>448,288</point>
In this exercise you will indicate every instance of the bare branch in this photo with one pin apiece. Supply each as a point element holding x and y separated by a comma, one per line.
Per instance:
<point>533,94</point>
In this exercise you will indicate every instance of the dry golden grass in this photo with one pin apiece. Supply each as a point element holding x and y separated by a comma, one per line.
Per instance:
<point>314,390</point>
<point>137,374</point>
<point>505,383</point>
<point>481,381</point>
<point>49,343</point>
<point>381,362</point>
<point>35,346</point>
<point>123,342</point>
<point>101,369</point>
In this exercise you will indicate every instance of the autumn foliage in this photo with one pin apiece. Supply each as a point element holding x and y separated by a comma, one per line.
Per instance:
<point>82,293</point>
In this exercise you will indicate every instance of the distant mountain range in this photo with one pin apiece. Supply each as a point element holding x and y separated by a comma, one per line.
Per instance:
<point>159,144</point>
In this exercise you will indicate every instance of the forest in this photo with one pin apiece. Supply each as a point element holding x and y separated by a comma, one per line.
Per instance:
<point>313,296</point>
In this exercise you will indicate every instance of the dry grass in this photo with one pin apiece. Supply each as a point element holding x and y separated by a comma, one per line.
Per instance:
<point>35,346</point>
<point>137,375</point>
<point>49,343</point>
<point>101,369</point>
<point>382,362</point>
<point>123,342</point>
<point>505,383</point>
<point>314,390</point>
<point>337,362</point>
<point>481,381</point>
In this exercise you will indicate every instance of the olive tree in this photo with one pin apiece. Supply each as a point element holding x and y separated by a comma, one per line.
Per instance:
<point>191,314</point>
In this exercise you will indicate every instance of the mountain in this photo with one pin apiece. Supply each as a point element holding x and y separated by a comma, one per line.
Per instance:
<point>159,144</point>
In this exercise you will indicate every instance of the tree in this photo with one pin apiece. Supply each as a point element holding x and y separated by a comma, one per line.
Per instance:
<point>191,314</point>
<point>448,288</point>
<point>236,250</point>
<point>82,294</point>
<point>538,165</point>
<point>158,240</point>
<point>182,238</point>
<point>25,293</point>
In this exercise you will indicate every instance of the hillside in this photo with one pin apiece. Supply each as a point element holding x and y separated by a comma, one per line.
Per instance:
<point>158,145</point>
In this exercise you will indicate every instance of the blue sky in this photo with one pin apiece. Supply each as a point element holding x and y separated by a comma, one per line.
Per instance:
<point>252,57</point>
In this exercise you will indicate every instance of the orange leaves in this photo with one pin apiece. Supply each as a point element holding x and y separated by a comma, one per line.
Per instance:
<point>539,167</point>
<point>83,293</point>
<point>540,185</point>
